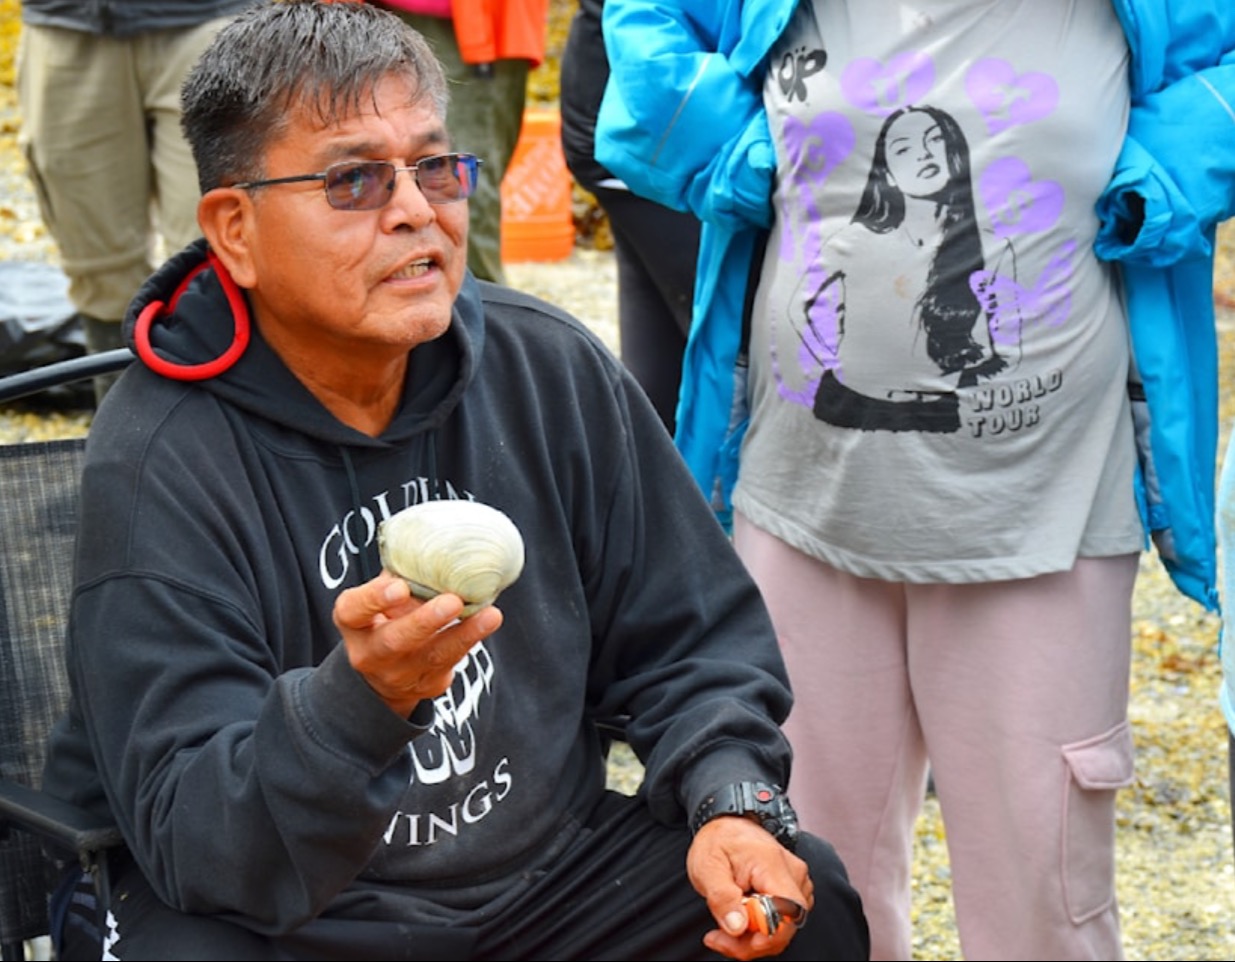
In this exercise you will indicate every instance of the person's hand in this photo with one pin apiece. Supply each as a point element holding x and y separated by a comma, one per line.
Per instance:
<point>407,649</point>
<point>731,857</point>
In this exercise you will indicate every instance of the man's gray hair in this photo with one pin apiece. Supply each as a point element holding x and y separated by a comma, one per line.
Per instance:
<point>287,55</point>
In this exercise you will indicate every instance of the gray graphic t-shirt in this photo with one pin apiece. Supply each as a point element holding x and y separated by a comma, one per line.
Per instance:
<point>939,363</point>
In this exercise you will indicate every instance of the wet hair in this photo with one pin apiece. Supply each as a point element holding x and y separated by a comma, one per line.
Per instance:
<point>286,56</point>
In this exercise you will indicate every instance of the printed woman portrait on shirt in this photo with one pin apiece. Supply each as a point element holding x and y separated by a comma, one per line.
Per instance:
<point>904,315</point>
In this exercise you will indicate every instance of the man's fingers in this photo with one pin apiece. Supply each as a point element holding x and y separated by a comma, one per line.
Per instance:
<point>360,607</point>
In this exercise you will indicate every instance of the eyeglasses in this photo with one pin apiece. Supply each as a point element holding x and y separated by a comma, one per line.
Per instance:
<point>369,184</point>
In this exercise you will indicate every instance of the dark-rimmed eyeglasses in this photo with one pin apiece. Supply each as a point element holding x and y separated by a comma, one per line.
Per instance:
<point>369,184</point>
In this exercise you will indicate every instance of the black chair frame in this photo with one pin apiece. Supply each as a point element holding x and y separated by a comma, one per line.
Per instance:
<point>38,499</point>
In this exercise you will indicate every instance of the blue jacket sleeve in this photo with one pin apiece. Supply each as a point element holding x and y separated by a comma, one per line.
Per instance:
<point>1175,177</point>
<point>681,122</point>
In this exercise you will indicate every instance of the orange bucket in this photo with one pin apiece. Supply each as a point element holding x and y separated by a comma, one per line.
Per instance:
<point>536,204</point>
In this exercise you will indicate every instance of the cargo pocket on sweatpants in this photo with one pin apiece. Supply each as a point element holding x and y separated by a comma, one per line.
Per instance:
<point>1097,767</point>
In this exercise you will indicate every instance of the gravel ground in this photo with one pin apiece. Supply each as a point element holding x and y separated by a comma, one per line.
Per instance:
<point>1174,839</point>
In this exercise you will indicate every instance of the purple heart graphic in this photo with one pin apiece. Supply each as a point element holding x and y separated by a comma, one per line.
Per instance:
<point>1017,203</point>
<point>815,149</point>
<point>1005,98</point>
<point>878,89</point>
<point>1009,305</point>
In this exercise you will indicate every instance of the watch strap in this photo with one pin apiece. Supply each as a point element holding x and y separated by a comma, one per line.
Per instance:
<point>762,800</point>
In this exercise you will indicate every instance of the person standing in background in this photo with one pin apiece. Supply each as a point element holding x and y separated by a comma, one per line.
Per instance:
<point>951,594</point>
<point>655,247</point>
<point>487,48</point>
<point>99,92</point>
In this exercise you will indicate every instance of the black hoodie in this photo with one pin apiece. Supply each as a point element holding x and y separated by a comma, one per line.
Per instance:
<point>220,520</point>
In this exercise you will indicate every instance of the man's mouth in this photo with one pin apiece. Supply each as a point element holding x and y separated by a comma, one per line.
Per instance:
<point>414,269</point>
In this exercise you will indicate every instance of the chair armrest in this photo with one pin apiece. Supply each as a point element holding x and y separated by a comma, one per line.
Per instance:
<point>23,383</point>
<point>69,826</point>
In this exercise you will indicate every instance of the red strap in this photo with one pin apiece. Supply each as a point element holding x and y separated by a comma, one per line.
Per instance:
<point>195,372</point>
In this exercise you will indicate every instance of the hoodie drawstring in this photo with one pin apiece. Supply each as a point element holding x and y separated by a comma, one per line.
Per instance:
<point>430,456</point>
<point>366,568</point>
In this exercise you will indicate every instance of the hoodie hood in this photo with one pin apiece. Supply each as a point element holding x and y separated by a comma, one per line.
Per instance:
<point>190,322</point>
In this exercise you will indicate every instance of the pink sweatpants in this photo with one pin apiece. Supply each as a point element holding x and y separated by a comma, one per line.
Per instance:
<point>1015,694</point>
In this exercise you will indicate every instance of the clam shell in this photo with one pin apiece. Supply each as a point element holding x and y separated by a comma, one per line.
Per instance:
<point>463,547</point>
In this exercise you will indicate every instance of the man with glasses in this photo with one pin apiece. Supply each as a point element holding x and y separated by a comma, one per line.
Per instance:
<point>306,761</point>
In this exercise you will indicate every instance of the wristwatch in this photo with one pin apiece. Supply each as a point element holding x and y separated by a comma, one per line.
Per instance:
<point>766,803</point>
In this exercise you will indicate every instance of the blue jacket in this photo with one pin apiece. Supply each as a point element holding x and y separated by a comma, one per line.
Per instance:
<point>682,122</point>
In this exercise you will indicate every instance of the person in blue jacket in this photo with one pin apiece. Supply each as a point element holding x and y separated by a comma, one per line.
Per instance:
<point>943,431</point>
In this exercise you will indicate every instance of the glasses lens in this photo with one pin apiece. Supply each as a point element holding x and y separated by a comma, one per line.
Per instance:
<point>446,178</point>
<point>467,166</point>
<point>359,186</point>
<point>368,185</point>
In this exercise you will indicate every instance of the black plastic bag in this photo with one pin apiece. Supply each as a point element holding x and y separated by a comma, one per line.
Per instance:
<point>38,323</point>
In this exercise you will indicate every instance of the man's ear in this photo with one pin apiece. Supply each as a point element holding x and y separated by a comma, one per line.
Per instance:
<point>225,216</point>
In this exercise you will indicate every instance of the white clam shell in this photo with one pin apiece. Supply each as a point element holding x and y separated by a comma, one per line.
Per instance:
<point>467,548</point>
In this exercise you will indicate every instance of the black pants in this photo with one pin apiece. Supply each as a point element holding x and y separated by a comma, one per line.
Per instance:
<point>619,892</point>
<point>102,336</point>
<point>655,249</point>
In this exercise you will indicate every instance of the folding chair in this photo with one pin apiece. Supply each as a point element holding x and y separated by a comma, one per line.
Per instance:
<point>38,522</point>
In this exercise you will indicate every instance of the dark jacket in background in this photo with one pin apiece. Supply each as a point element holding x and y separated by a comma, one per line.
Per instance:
<point>585,69</point>
<point>123,18</point>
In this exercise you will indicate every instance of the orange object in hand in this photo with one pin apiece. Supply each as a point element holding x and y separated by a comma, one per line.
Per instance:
<point>766,913</point>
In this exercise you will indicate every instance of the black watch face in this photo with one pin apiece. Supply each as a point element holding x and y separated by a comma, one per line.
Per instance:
<point>784,823</point>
